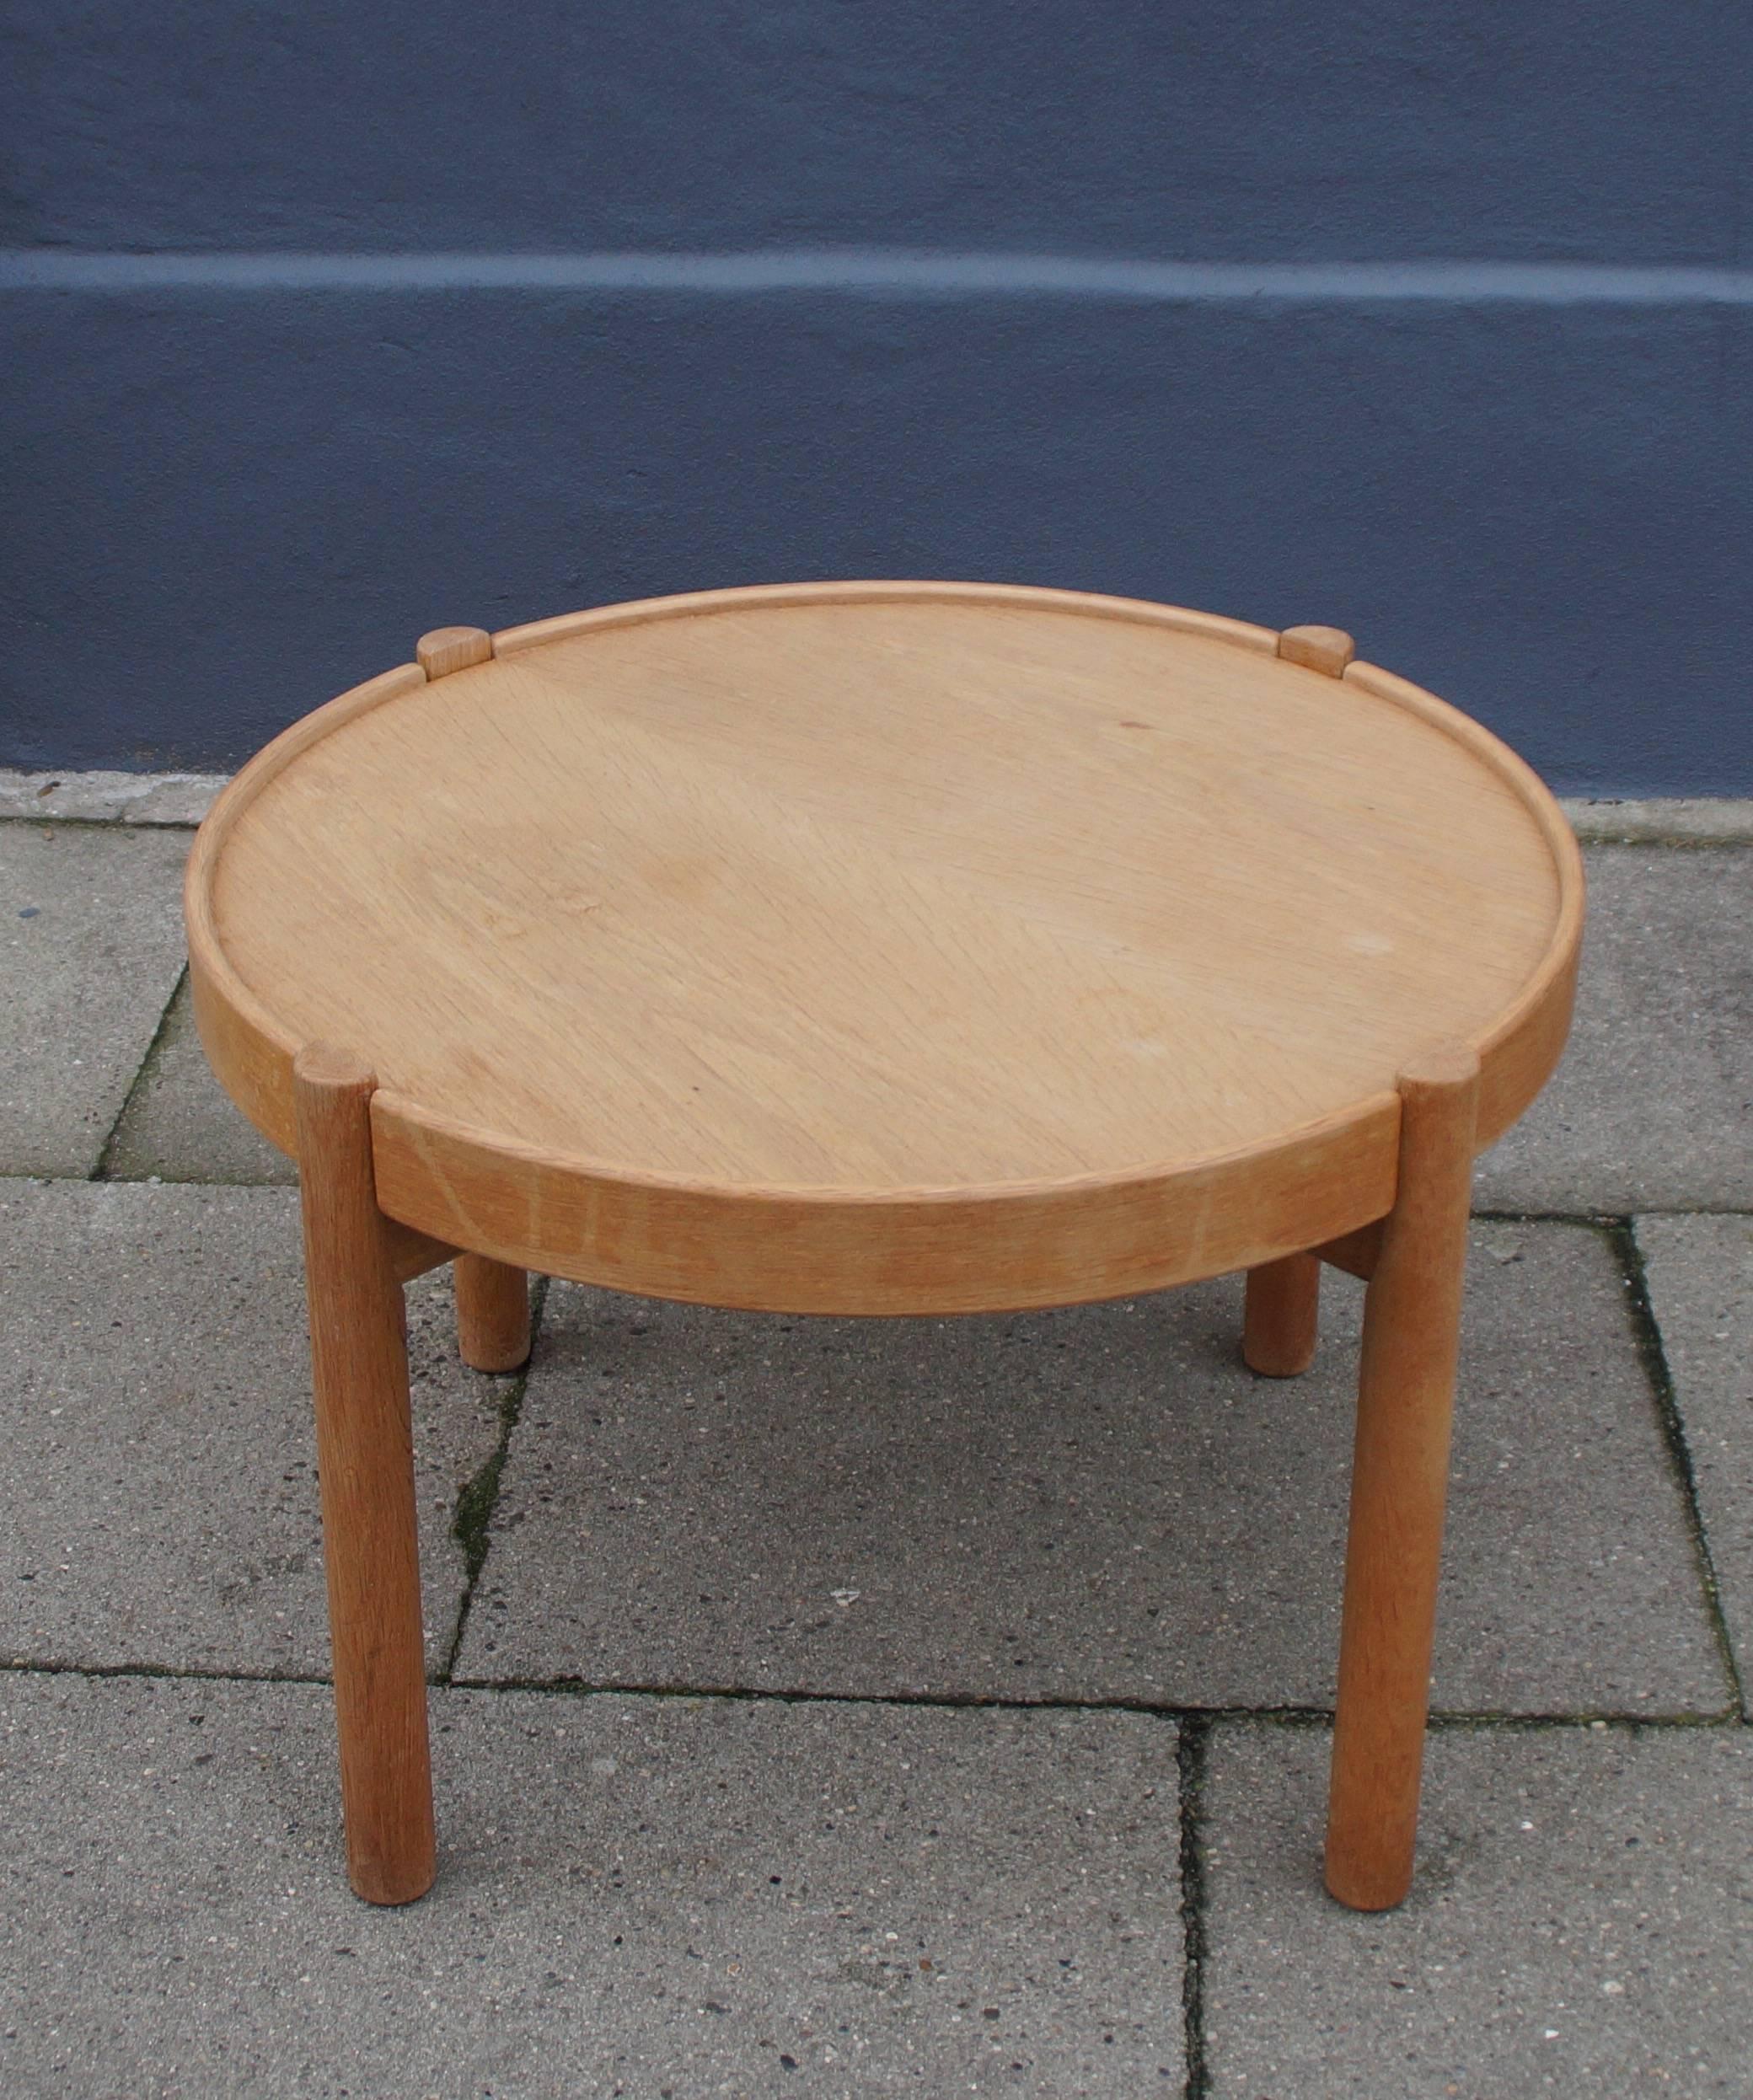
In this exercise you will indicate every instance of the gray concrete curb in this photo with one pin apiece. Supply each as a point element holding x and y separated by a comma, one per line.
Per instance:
<point>1701,820</point>
<point>185,798</point>
<point>109,798</point>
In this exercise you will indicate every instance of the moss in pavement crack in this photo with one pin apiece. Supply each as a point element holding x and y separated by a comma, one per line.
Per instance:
<point>1646,1330</point>
<point>1195,1735</point>
<point>471,1521</point>
<point>103,1171</point>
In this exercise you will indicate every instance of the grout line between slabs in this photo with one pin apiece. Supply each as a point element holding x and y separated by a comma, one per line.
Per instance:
<point>1190,1756</point>
<point>1647,1334</point>
<point>172,1673</point>
<point>148,1062</point>
<point>1293,1717</point>
<point>1197,1717</point>
<point>1601,1218</point>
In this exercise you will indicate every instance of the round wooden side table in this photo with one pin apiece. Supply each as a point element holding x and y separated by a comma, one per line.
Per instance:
<point>885,948</point>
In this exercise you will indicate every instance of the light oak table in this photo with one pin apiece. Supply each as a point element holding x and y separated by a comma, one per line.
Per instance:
<point>885,948</point>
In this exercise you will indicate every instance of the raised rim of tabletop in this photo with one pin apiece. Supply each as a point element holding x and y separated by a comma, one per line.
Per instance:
<point>969,1247</point>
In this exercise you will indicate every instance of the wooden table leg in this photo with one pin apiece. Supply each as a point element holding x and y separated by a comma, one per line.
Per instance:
<point>1400,1470</point>
<point>492,1312</point>
<point>365,1464</point>
<point>1281,1315</point>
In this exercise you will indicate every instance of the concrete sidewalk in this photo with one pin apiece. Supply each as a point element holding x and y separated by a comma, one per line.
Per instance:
<point>841,1708</point>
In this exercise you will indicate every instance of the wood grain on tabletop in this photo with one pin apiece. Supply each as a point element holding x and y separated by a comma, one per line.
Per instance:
<point>866,891</point>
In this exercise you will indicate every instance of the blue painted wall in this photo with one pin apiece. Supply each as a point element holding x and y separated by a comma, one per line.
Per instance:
<point>443,385</point>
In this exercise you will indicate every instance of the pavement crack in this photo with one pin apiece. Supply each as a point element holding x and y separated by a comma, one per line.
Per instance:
<point>1190,1755</point>
<point>471,1524</point>
<point>103,1171</point>
<point>176,1673</point>
<point>1646,1335</point>
<point>1197,1717</point>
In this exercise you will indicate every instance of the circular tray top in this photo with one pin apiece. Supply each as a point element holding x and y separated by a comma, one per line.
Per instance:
<point>758,912</point>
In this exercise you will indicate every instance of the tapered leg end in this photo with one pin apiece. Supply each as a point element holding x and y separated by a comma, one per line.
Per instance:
<point>1370,1848</point>
<point>388,1882</point>
<point>1281,1320</point>
<point>492,1314</point>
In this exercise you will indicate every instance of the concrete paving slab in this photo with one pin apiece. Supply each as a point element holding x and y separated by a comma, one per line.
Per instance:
<point>160,1496</point>
<point>110,798</point>
<point>1652,1108</point>
<point>92,930</point>
<point>1097,1504</point>
<point>649,1897</point>
<point>1700,1276</point>
<point>1578,1925</point>
<point>179,1123</point>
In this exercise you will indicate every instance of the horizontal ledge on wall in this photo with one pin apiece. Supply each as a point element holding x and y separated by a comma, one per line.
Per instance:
<point>883,273</point>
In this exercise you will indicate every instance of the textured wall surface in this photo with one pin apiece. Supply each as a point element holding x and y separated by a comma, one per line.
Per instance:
<point>325,324</point>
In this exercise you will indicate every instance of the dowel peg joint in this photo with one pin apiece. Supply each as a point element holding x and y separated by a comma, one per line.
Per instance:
<point>447,649</point>
<point>1328,649</point>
